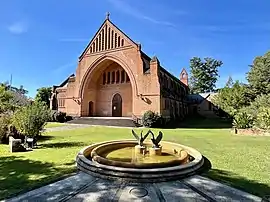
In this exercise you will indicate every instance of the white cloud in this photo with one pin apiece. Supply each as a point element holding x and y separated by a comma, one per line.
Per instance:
<point>19,27</point>
<point>64,67</point>
<point>123,6</point>
<point>74,40</point>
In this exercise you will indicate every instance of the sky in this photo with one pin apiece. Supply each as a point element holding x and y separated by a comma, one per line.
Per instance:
<point>40,41</point>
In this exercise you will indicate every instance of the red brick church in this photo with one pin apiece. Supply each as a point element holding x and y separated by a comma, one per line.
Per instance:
<point>115,78</point>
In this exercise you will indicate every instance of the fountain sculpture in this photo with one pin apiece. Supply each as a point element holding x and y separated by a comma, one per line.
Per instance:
<point>140,159</point>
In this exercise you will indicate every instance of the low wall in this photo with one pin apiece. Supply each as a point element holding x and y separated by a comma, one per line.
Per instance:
<point>250,131</point>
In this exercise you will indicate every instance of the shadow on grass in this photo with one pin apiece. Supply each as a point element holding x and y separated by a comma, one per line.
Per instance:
<point>18,174</point>
<point>59,145</point>
<point>200,123</point>
<point>239,182</point>
<point>43,138</point>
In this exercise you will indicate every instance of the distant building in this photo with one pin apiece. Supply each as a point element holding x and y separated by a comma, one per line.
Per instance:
<point>202,104</point>
<point>116,78</point>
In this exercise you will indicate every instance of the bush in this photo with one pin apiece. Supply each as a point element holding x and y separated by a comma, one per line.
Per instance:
<point>59,117</point>
<point>69,118</point>
<point>31,119</point>
<point>5,120</point>
<point>263,119</point>
<point>242,120</point>
<point>152,120</point>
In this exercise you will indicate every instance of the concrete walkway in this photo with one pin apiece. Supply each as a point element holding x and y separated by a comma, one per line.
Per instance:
<point>83,187</point>
<point>66,126</point>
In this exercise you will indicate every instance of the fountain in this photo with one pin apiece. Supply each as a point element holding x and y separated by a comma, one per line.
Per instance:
<point>139,160</point>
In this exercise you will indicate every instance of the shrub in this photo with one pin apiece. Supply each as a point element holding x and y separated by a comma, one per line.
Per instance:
<point>5,120</point>
<point>242,120</point>
<point>151,119</point>
<point>258,105</point>
<point>69,118</point>
<point>31,119</point>
<point>263,119</point>
<point>59,116</point>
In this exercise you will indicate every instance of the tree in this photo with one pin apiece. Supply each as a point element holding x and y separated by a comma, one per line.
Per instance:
<point>31,119</point>
<point>43,95</point>
<point>229,83</point>
<point>259,75</point>
<point>5,97</point>
<point>231,100</point>
<point>204,74</point>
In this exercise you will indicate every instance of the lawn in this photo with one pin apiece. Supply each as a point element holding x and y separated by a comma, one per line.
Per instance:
<point>240,161</point>
<point>53,124</point>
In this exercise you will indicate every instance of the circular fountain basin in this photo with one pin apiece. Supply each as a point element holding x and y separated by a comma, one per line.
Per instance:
<point>116,160</point>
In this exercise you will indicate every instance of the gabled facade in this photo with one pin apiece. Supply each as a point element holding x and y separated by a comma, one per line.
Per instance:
<point>114,77</point>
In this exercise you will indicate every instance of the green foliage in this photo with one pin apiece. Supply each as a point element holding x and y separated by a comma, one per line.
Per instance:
<point>151,119</point>
<point>230,82</point>
<point>259,75</point>
<point>204,74</point>
<point>261,102</point>
<point>31,119</point>
<point>44,95</point>
<point>242,120</point>
<point>5,98</point>
<point>231,100</point>
<point>263,119</point>
<point>5,120</point>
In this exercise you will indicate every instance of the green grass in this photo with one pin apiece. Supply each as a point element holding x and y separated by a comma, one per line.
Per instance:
<point>53,124</point>
<point>240,161</point>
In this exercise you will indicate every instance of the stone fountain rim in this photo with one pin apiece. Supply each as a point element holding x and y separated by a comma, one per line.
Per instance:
<point>197,162</point>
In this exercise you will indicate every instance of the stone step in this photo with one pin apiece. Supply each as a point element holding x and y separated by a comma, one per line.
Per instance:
<point>105,121</point>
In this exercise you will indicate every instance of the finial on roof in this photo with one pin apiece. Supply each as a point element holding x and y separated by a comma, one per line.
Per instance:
<point>154,59</point>
<point>107,16</point>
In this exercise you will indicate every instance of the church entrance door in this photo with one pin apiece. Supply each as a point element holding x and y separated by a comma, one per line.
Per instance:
<point>117,105</point>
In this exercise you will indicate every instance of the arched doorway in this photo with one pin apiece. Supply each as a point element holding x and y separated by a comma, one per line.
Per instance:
<point>117,105</point>
<point>91,109</point>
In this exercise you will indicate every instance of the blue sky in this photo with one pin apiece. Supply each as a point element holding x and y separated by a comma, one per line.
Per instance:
<point>40,41</point>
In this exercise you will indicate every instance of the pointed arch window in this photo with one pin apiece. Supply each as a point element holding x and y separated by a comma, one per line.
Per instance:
<point>102,40</point>
<point>127,78</point>
<point>113,77</point>
<point>122,42</point>
<point>112,39</point>
<point>115,40</point>
<point>104,79</point>
<point>117,76</point>
<point>109,38</point>
<point>122,76</point>
<point>94,47</point>
<point>119,41</point>
<point>99,42</point>
<point>108,77</point>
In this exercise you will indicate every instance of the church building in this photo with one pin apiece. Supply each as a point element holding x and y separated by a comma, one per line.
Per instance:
<point>115,78</point>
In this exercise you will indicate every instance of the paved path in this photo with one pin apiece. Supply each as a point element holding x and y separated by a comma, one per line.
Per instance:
<point>83,187</point>
<point>67,126</point>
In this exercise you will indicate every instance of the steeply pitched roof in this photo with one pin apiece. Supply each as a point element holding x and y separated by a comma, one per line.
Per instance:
<point>102,32</point>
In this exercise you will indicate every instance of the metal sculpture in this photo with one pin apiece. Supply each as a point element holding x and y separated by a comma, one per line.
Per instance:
<point>140,139</point>
<point>157,140</point>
